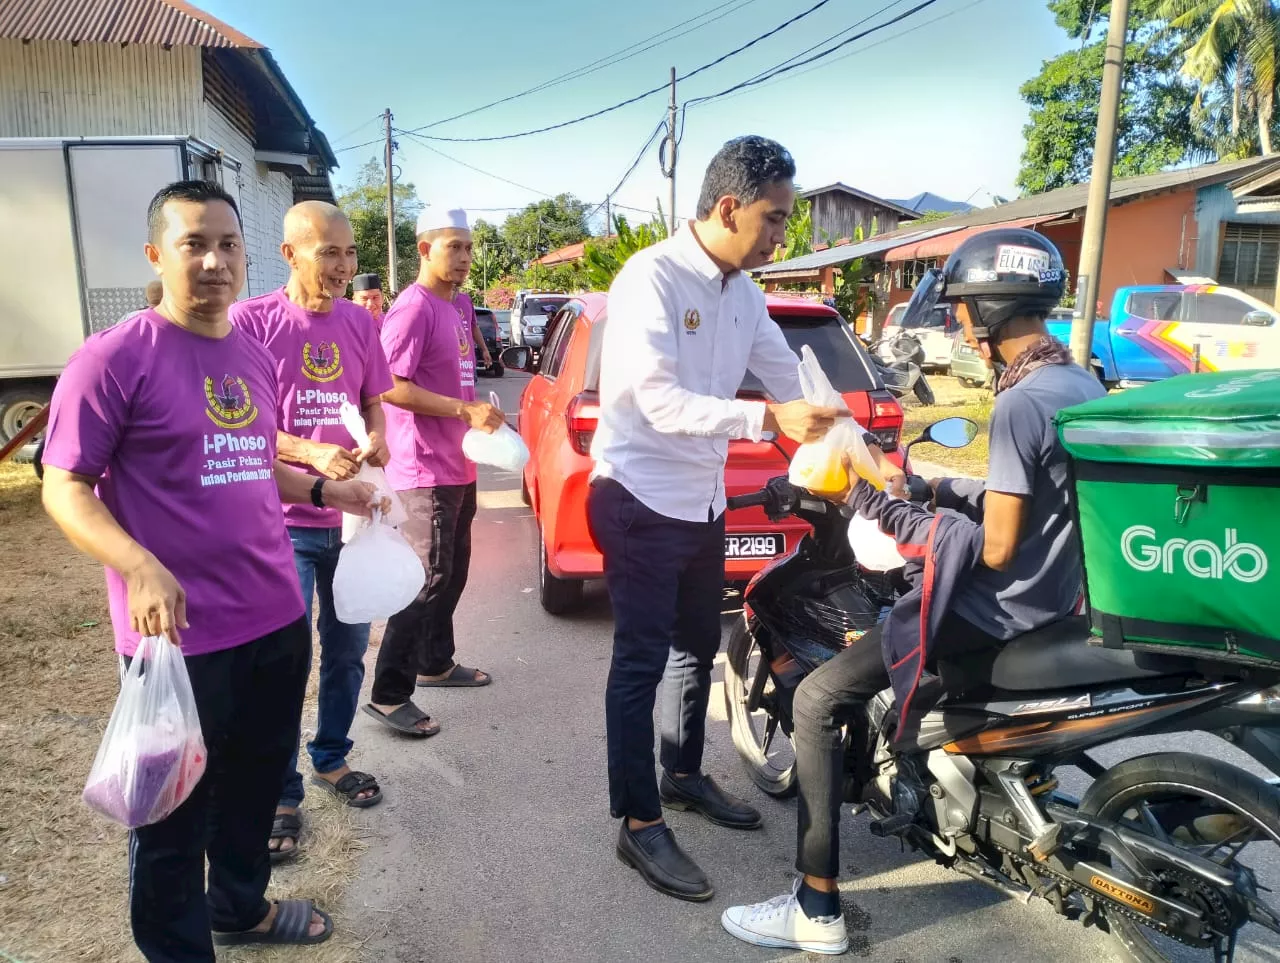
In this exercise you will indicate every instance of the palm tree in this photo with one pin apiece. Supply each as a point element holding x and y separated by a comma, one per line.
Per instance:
<point>1236,46</point>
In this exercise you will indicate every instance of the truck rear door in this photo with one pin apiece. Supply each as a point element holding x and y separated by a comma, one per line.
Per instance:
<point>111,185</point>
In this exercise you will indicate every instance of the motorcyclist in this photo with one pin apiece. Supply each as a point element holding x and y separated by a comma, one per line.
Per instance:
<point>1003,283</point>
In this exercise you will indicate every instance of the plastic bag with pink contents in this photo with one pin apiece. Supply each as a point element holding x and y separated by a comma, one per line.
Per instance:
<point>152,754</point>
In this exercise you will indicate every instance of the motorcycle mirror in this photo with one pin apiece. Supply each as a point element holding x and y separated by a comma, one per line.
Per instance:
<point>951,432</point>
<point>923,299</point>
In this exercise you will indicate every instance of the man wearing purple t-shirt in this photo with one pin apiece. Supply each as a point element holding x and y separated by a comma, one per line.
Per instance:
<point>326,354</point>
<point>427,336</point>
<point>170,416</point>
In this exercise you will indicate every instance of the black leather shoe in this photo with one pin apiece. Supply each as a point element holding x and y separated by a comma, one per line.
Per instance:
<point>664,865</point>
<point>701,794</point>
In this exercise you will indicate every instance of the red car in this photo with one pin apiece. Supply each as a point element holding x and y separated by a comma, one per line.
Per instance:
<point>559,411</point>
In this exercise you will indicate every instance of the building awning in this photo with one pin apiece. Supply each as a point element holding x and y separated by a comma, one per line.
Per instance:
<point>943,244</point>
<point>810,264</point>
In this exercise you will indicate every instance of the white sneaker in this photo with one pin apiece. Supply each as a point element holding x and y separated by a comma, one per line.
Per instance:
<point>780,922</point>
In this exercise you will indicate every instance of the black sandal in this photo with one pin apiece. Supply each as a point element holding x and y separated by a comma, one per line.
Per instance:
<point>292,925</point>
<point>286,826</point>
<point>350,786</point>
<point>405,720</point>
<point>459,677</point>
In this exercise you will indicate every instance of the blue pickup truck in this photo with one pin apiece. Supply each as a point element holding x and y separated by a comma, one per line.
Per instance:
<point>1154,331</point>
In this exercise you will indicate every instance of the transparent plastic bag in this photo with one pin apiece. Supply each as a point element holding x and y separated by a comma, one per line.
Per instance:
<point>503,449</point>
<point>874,550</point>
<point>377,575</point>
<point>817,465</point>
<point>353,421</point>
<point>152,754</point>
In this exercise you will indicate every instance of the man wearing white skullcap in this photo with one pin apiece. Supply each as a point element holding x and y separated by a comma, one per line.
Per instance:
<point>428,339</point>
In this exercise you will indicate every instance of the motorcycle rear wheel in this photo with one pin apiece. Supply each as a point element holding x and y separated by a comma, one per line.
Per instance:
<point>769,758</point>
<point>1144,792</point>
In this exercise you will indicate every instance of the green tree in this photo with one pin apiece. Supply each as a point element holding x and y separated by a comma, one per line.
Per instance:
<point>604,257</point>
<point>492,257</point>
<point>1235,46</point>
<point>365,203</point>
<point>545,226</point>
<point>1155,127</point>
<point>799,231</point>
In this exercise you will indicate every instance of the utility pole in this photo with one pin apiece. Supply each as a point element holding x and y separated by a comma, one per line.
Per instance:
<point>608,223</point>
<point>671,142</point>
<point>392,280</point>
<point>1095,216</point>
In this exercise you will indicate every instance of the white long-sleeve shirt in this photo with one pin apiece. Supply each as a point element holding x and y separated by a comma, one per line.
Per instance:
<point>679,338</point>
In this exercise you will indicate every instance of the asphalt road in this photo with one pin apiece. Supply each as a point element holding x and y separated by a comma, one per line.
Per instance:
<point>495,844</point>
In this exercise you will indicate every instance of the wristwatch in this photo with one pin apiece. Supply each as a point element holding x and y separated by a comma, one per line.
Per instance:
<point>317,493</point>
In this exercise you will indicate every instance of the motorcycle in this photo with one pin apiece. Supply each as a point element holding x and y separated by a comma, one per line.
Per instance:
<point>900,362</point>
<point>1152,851</point>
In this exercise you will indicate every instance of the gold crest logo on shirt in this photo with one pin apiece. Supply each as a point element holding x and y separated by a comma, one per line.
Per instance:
<point>229,405</point>
<point>322,362</point>
<point>691,320</point>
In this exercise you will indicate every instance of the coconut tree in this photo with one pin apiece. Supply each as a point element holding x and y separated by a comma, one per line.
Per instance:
<point>1235,45</point>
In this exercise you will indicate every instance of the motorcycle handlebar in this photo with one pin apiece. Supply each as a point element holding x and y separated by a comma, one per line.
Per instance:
<point>747,501</point>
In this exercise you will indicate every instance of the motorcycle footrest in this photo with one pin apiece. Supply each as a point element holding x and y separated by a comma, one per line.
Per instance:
<point>893,825</point>
<point>1047,843</point>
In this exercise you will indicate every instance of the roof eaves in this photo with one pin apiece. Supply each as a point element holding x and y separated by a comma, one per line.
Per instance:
<point>841,186</point>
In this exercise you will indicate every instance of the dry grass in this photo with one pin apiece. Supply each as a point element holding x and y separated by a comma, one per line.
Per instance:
<point>953,400</point>
<point>63,874</point>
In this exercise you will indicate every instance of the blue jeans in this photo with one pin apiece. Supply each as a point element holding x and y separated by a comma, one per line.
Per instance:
<point>342,648</point>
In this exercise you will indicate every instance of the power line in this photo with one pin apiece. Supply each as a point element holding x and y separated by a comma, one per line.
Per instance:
<point>660,128</point>
<point>609,60</point>
<point>367,143</point>
<point>853,53</point>
<point>638,97</point>
<point>355,130</point>
<point>497,177</point>
<point>769,75</point>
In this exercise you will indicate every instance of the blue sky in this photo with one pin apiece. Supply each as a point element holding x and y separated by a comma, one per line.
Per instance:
<point>936,108</point>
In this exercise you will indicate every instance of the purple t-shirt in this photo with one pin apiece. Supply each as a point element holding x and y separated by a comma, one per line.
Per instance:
<point>428,341</point>
<point>322,360</point>
<point>181,431</point>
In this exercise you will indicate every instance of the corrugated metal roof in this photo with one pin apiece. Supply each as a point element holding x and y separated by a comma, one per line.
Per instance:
<point>946,243</point>
<point>847,252</point>
<point>158,22</point>
<point>1042,206</point>
<point>845,188</point>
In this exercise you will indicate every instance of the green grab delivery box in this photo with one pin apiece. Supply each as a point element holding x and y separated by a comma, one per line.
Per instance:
<point>1177,489</point>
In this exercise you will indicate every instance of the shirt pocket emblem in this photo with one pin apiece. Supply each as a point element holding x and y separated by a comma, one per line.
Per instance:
<point>692,319</point>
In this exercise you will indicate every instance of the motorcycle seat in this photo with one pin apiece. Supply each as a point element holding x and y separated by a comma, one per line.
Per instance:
<point>1057,656</point>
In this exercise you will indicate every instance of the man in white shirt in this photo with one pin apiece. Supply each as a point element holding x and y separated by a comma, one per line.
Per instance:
<point>685,324</point>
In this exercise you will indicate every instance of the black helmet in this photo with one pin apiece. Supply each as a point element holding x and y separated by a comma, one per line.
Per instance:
<point>1000,274</point>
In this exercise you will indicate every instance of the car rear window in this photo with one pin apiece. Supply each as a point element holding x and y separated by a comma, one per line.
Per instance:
<point>487,323</point>
<point>542,306</point>
<point>842,358</point>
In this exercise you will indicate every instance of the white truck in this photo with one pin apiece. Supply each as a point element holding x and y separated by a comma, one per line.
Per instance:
<point>72,227</point>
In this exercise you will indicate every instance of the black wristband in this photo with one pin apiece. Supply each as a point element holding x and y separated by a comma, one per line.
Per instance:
<point>317,493</point>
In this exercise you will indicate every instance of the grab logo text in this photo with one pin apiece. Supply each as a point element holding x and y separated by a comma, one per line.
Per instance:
<point>1243,561</point>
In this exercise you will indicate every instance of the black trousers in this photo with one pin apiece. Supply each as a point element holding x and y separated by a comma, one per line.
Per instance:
<point>666,581</point>
<point>420,638</point>
<point>832,696</point>
<point>250,704</point>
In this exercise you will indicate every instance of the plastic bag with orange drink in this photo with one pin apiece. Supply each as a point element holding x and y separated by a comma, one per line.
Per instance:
<point>817,464</point>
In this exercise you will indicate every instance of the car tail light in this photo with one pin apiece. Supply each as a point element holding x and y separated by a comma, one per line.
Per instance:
<point>886,420</point>
<point>583,415</point>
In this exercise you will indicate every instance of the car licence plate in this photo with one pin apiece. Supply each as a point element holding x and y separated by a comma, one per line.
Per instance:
<point>763,545</point>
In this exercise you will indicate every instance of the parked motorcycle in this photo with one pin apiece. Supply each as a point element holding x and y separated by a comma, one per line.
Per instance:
<point>1168,852</point>
<point>900,361</point>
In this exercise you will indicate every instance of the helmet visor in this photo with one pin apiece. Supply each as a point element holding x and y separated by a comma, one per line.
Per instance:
<point>923,299</point>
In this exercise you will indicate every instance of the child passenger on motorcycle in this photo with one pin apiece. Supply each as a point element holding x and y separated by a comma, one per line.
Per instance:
<point>1003,283</point>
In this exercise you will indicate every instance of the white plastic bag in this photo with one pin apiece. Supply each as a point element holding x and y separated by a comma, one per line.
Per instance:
<point>377,575</point>
<point>152,754</point>
<point>816,465</point>
<point>353,421</point>
<point>874,550</point>
<point>503,449</point>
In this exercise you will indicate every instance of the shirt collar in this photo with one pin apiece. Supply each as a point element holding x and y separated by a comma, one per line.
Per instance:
<point>697,257</point>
